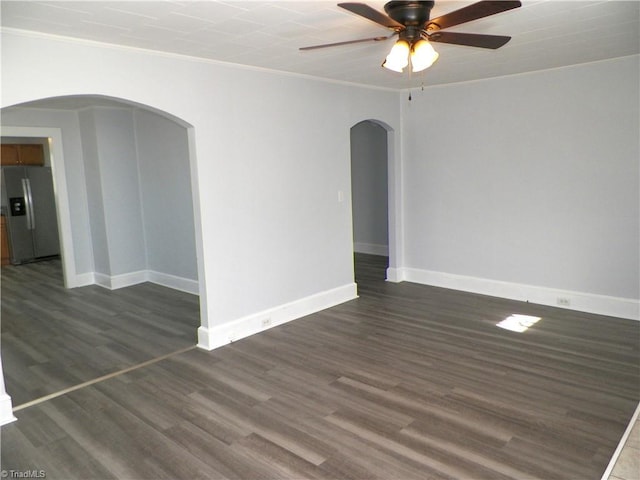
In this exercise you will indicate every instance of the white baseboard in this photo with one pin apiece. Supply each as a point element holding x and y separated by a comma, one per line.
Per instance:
<point>6,410</point>
<point>172,281</point>
<point>371,248</point>
<point>583,302</point>
<point>395,275</point>
<point>84,279</point>
<point>102,280</point>
<point>128,279</point>
<point>220,335</point>
<point>114,282</point>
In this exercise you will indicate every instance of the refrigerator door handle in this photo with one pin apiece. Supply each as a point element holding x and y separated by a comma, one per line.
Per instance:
<point>25,194</point>
<point>26,188</point>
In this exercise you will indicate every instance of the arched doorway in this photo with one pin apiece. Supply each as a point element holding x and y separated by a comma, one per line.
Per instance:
<point>125,201</point>
<point>92,140</point>
<point>373,193</point>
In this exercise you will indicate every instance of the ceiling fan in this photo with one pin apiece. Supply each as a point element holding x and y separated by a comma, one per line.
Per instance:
<point>410,21</point>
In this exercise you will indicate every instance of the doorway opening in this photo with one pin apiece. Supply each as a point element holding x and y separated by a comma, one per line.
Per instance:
<point>124,197</point>
<point>370,200</point>
<point>29,218</point>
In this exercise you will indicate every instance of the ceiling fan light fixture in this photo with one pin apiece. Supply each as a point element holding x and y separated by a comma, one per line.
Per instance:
<point>422,55</point>
<point>398,57</point>
<point>411,21</point>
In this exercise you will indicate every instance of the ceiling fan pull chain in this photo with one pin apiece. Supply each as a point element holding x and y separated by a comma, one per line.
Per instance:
<point>410,69</point>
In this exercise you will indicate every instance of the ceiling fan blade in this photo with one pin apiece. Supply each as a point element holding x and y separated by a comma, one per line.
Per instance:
<point>472,12</point>
<point>372,14</point>
<point>374,39</point>
<point>469,39</point>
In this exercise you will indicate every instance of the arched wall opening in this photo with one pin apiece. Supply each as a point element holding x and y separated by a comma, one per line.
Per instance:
<point>369,197</point>
<point>120,170</point>
<point>375,192</point>
<point>125,191</point>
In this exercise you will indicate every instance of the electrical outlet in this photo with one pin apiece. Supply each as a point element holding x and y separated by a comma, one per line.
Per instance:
<point>563,301</point>
<point>266,322</point>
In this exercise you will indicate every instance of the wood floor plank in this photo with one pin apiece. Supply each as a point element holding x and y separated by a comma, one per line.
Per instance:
<point>71,460</point>
<point>281,461</point>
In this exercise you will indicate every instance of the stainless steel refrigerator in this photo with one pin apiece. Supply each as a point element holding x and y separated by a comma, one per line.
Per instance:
<point>29,205</point>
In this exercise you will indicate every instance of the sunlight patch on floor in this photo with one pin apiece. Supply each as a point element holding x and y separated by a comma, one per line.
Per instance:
<point>518,323</point>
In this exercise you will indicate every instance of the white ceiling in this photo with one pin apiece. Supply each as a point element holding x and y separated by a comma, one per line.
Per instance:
<point>545,34</point>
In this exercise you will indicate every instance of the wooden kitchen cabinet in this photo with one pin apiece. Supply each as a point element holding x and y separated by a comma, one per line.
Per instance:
<point>4,242</point>
<point>10,155</point>
<point>29,154</point>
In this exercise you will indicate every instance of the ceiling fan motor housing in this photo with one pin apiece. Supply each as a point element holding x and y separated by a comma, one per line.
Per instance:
<point>408,13</point>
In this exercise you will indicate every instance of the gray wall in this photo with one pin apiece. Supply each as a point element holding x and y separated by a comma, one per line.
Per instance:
<point>165,186</point>
<point>369,188</point>
<point>530,179</point>
<point>95,204</point>
<point>110,148</point>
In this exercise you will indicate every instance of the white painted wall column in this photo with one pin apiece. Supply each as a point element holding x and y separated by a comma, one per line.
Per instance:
<point>6,409</point>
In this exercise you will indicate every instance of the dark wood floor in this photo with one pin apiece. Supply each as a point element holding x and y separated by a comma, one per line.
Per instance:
<point>406,382</point>
<point>54,338</point>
